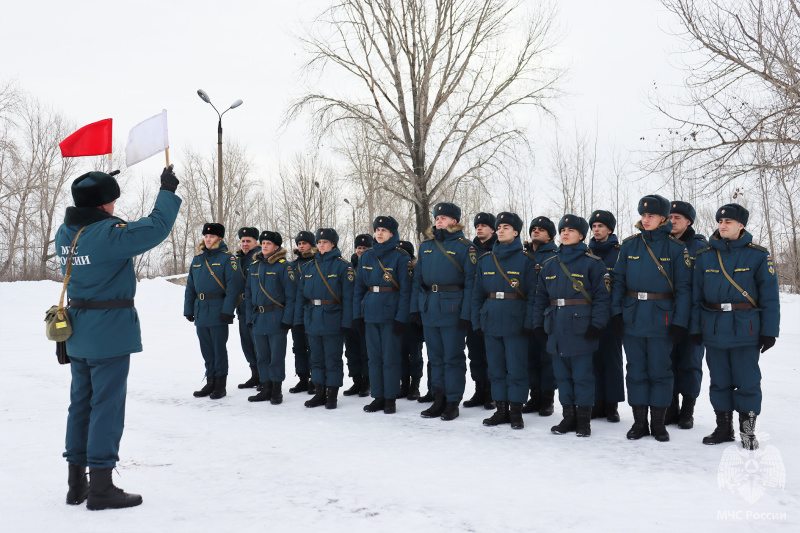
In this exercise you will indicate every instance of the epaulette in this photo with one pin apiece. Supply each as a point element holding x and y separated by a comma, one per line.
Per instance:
<point>549,259</point>
<point>616,246</point>
<point>401,250</point>
<point>466,242</point>
<point>226,252</point>
<point>707,248</point>
<point>758,247</point>
<point>590,254</point>
<point>345,261</point>
<point>529,255</point>
<point>626,239</point>
<point>484,254</point>
<point>281,260</point>
<point>675,239</point>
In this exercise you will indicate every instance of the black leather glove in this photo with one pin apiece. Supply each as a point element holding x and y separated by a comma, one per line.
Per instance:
<point>592,333</point>
<point>478,332</point>
<point>190,318</point>
<point>359,325</point>
<point>300,328</point>
<point>284,325</point>
<point>676,333</point>
<point>618,324</point>
<point>696,339</point>
<point>398,327</point>
<point>415,318</point>
<point>527,332</point>
<point>765,343</point>
<point>226,318</point>
<point>540,334</point>
<point>169,181</point>
<point>345,330</point>
<point>464,324</point>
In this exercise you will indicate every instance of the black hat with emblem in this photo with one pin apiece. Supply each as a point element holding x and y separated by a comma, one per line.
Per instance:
<point>447,209</point>
<point>604,217</point>
<point>305,236</point>
<point>408,247</point>
<point>272,236</point>
<point>654,204</point>
<point>363,240</point>
<point>544,223</point>
<point>734,212</point>
<point>248,232</point>
<point>94,189</point>
<point>683,208</point>
<point>385,222</point>
<point>511,219</point>
<point>212,228</point>
<point>327,234</point>
<point>575,222</point>
<point>484,218</point>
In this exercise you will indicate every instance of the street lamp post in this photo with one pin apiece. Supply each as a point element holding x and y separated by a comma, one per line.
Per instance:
<point>204,97</point>
<point>354,222</point>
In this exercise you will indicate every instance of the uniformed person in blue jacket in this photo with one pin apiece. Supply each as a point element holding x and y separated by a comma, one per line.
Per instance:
<point>440,301</point>
<point>355,342</point>
<point>651,304</point>
<point>502,310</point>
<point>687,358</point>
<point>106,326</point>
<point>734,323</point>
<point>248,247</point>
<point>324,304</point>
<point>381,300</point>
<point>609,388</point>
<point>304,252</point>
<point>572,309</point>
<point>540,363</point>
<point>411,360</point>
<point>485,237</point>
<point>212,294</point>
<point>270,292</point>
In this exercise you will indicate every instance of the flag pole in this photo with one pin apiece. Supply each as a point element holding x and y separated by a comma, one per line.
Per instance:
<point>109,161</point>
<point>166,153</point>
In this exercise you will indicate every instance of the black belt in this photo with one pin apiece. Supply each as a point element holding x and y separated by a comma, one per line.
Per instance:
<point>378,288</point>
<point>202,296</point>
<point>649,295</point>
<point>730,307</point>
<point>267,308</point>
<point>443,288</point>
<point>561,302</point>
<point>107,304</point>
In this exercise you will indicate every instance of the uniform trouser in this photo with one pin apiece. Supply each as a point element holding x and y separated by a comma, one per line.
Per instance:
<point>213,341</point>
<point>271,355</point>
<point>687,368</point>
<point>248,347</point>
<point>411,355</point>
<point>96,410</point>
<point>356,353</point>
<point>540,367</point>
<point>326,359</point>
<point>507,359</point>
<point>609,383</point>
<point>384,346</point>
<point>735,378</point>
<point>649,376</point>
<point>302,363</point>
<point>448,363</point>
<point>476,351</point>
<point>575,379</point>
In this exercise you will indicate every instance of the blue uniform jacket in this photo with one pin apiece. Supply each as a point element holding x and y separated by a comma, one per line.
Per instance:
<point>752,268</point>
<point>566,326</point>
<point>637,272</point>
<point>330,318</point>
<point>507,316</point>
<point>383,307</point>
<point>694,242</point>
<point>444,309</point>
<point>207,311</point>
<point>608,251</point>
<point>102,269</point>
<point>278,278</point>
<point>244,261</point>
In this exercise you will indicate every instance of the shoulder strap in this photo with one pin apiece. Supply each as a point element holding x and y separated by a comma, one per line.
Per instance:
<point>757,247</point>
<point>626,239</point>
<point>214,275</point>
<point>503,272</point>
<point>704,250</point>
<point>386,273</point>
<point>60,312</point>
<point>675,239</point>
<point>444,253</point>
<point>273,300</point>
<point>529,255</point>
<point>576,283</point>
<point>738,288</point>
<point>325,281</point>
<point>659,265</point>
<point>590,254</point>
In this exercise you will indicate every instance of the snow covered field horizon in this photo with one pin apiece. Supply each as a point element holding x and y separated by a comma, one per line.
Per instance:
<point>231,465</point>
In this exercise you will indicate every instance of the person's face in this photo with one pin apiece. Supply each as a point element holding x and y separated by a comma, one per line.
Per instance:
<point>443,221</point>
<point>600,231</point>
<point>483,231</point>
<point>361,249</point>
<point>539,235</point>
<point>324,246</point>
<point>303,246</point>
<point>679,223</point>
<point>268,248</point>
<point>570,236</point>
<point>505,233</point>
<point>247,244</point>
<point>651,221</point>
<point>210,240</point>
<point>730,229</point>
<point>382,235</point>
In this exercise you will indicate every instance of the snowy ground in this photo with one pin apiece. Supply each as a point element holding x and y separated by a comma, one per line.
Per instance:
<point>230,465</point>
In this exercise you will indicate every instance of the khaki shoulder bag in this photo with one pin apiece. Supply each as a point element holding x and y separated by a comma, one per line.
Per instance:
<point>57,325</point>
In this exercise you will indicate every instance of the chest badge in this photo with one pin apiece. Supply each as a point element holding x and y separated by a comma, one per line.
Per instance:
<point>387,277</point>
<point>514,282</point>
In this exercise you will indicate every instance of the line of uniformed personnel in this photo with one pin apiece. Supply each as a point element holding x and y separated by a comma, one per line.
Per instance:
<point>534,316</point>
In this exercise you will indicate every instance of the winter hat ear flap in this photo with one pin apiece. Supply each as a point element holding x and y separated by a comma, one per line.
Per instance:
<point>272,236</point>
<point>574,222</point>
<point>734,212</point>
<point>212,228</point>
<point>363,240</point>
<point>447,209</point>
<point>94,189</point>
<point>683,208</point>
<point>484,218</point>
<point>305,236</point>
<point>654,204</point>
<point>512,219</point>
<point>604,217</point>
<point>248,232</point>
<point>544,223</point>
<point>327,234</point>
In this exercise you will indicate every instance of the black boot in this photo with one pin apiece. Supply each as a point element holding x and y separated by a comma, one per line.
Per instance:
<point>277,395</point>
<point>219,388</point>
<point>477,398</point>
<point>640,428</point>
<point>253,381</point>
<point>390,407</point>
<point>450,411</point>
<point>568,423</point>
<point>207,389</point>
<point>488,402</point>
<point>533,405</point>
<point>352,391</point>
<point>427,398</point>
<point>104,495</point>
<point>598,411</point>
<point>686,418</point>
<point>747,430</point>
<point>583,424</point>
<point>612,414</point>
<point>435,410</point>
<point>413,389</point>
<point>377,405</point>
<point>364,390</point>
<point>657,427</point>
<point>404,387</point>
<point>724,430</point>
<point>546,408</point>
<point>318,398</point>
<point>312,387</point>
<point>331,397</point>
<point>264,393</point>
<point>515,415</point>
<point>672,411</point>
<point>302,384</point>
<point>78,485</point>
<point>499,417</point>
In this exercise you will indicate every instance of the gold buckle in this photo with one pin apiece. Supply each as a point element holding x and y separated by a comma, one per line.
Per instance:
<point>260,308</point>
<point>201,296</point>
<point>435,288</point>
